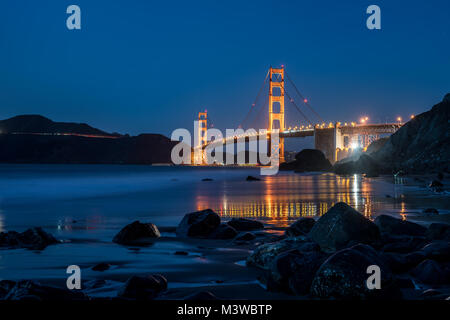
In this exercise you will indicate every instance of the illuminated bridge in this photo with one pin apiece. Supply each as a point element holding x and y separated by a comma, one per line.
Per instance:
<point>334,139</point>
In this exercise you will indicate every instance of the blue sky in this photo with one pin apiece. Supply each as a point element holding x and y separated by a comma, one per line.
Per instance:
<point>150,66</point>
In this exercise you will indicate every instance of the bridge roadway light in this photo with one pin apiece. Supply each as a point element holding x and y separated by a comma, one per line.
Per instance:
<point>399,119</point>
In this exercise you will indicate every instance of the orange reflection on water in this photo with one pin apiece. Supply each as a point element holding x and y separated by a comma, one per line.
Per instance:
<point>278,199</point>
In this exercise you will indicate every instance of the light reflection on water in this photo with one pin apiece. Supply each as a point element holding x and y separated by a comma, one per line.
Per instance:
<point>279,199</point>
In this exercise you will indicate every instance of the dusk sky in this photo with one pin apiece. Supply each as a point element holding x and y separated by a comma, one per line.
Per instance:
<point>150,66</point>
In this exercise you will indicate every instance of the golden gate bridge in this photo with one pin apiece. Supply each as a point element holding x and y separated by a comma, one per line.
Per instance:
<point>335,140</point>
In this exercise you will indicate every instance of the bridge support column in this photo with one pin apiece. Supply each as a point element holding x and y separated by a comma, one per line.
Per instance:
<point>277,81</point>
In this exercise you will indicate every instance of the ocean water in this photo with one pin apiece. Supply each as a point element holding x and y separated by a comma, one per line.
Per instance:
<point>86,205</point>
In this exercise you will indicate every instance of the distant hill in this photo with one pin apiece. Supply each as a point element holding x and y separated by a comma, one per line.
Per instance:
<point>29,147</point>
<point>422,144</point>
<point>39,124</point>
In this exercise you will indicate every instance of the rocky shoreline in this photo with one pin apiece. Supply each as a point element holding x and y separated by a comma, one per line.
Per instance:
<point>325,258</point>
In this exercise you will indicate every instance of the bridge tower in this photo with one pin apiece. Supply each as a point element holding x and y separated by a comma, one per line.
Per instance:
<point>202,136</point>
<point>276,80</point>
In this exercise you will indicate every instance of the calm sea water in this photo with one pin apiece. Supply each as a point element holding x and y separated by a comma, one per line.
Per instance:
<point>88,204</point>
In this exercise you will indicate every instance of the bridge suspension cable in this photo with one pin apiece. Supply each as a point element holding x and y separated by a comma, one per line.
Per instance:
<point>295,105</point>
<point>305,101</point>
<point>254,103</point>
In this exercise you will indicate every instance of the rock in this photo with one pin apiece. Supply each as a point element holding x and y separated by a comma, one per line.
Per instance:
<point>143,288</point>
<point>246,237</point>
<point>202,295</point>
<point>405,283</point>
<point>33,238</point>
<point>438,231</point>
<point>137,233</point>
<point>5,287</point>
<point>251,178</point>
<point>223,232</point>
<point>365,164</point>
<point>344,276</point>
<point>241,224</point>
<point>393,226</point>
<point>293,271</point>
<point>33,291</point>
<point>436,186</point>
<point>421,144</point>
<point>263,255</point>
<point>404,244</point>
<point>430,212</point>
<point>207,179</point>
<point>308,160</point>
<point>342,226</point>
<point>101,267</point>
<point>181,253</point>
<point>437,250</point>
<point>300,227</point>
<point>198,224</point>
<point>431,293</point>
<point>431,272</point>
<point>400,263</point>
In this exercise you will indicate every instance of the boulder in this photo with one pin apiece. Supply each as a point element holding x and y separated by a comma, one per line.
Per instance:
<point>241,224</point>
<point>308,160</point>
<point>263,256</point>
<point>143,288</point>
<point>438,231</point>
<point>223,232</point>
<point>198,224</point>
<point>27,290</point>
<point>436,185</point>
<point>431,272</point>
<point>404,244</point>
<point>437,250</point>
<point>101,266</point>
<point>293,271</point>
<point>137,233</point>
<point>365,164</point>
<point>342,226</point>
<point>33,238</point>
<point>400,263</point>
<point>393,226</point>
<point>247,236</point>
<point>300,227</point>
<point>252,178</point>
<point>344,276</point>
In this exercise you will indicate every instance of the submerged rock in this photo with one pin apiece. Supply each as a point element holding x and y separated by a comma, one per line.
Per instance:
<point>241,224</point>
<point>33,238</point>
<point>393,226</point>
<point>33,291</point>
<point>223,232</point>
<point>252,178</point>
<point>199,224</point>
<point>344,276</point>
<point>342,226</point>
<point>430,212</point>
<point>143,288</point>
<point>300,227</point>
<point>101,266</point>
<point>137,233</point>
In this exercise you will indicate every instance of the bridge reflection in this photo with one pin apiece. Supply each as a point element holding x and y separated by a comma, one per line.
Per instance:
<point>281,199</point>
